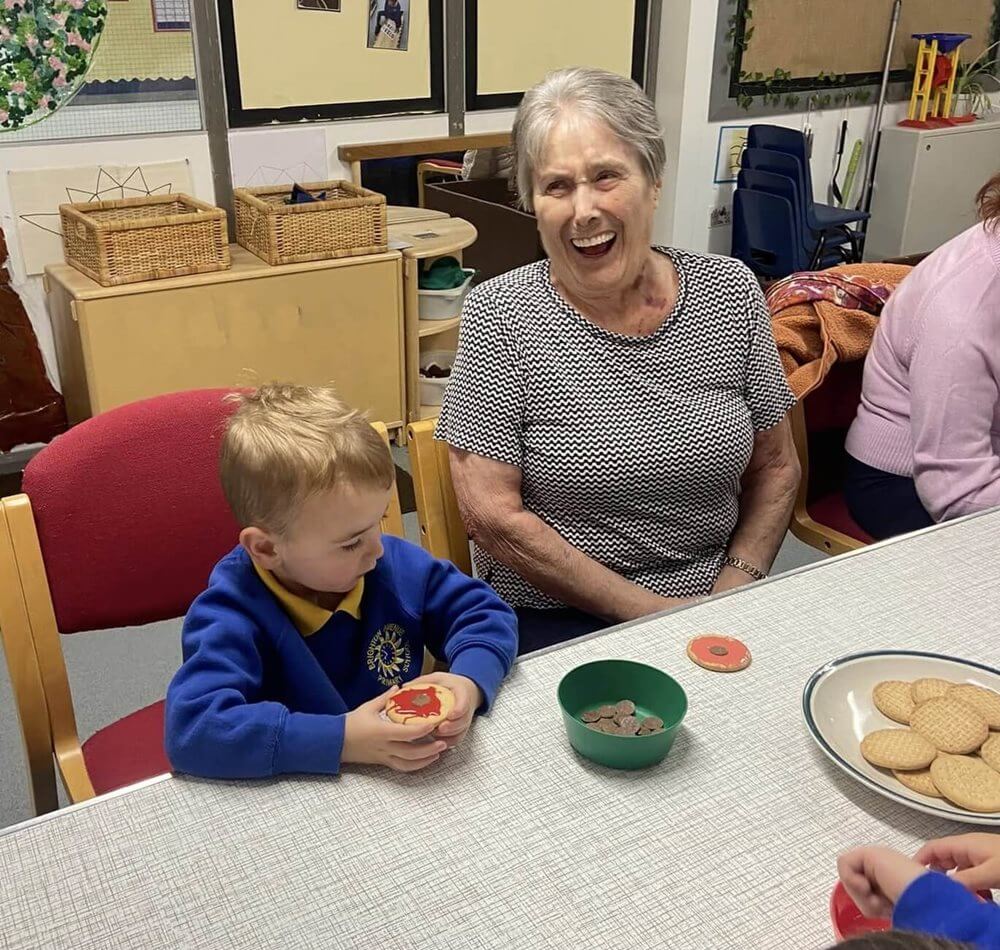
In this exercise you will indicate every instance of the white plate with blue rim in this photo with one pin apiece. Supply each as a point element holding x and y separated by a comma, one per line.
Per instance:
<point>839,713</point>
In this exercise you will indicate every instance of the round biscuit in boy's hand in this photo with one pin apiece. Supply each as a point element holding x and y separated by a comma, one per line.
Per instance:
<point>372,739</point>
<point>422,701</point>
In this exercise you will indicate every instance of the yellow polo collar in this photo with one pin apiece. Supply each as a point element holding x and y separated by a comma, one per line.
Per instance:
<point>307,616</point>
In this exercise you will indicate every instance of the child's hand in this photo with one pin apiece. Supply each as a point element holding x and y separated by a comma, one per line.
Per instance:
<point>975,858</point>
<point>372,740</point>
<point>876,877</point>
<point>468,698</point>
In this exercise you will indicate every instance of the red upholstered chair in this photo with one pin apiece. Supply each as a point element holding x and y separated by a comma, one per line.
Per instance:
<point>819,425</point>
<point>120,524</point>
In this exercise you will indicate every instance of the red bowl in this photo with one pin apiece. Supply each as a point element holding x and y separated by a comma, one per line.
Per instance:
<point>849,922</point>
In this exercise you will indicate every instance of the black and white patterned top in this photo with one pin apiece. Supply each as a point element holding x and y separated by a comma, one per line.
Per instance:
<point>632,448</point>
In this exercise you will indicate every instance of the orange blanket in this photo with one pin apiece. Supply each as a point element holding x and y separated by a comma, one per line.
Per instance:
<point>826,316</point>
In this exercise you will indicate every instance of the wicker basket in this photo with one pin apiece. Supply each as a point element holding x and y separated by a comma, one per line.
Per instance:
<point>123,241</point>
<point>350,221</point>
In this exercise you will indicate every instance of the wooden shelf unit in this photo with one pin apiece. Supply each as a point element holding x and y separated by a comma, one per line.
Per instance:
<point>430,239</point>
<point>427,328</point>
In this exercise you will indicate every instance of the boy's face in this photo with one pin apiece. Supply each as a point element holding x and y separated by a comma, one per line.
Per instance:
<point>332,543</point>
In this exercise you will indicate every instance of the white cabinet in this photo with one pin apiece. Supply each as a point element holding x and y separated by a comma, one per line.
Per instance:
<point>926,185</point>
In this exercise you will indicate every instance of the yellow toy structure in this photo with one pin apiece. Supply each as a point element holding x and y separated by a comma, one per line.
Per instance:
<point>934,81</point>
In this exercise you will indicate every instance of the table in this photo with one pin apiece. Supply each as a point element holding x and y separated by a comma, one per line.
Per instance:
<point>403,214</point>
<point>513,841</point>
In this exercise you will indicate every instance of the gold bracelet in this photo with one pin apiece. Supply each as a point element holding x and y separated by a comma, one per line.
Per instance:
<point>745,566</point>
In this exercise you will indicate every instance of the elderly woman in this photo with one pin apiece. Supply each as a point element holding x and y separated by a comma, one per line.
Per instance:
<point>616,413</point>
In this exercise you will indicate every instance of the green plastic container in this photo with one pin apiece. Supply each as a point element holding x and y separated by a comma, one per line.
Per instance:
<point>606,682</point>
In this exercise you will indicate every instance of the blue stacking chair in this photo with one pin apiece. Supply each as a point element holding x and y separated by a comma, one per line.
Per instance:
<point>781,163</point>
<point>764,234</point>
<point>813,255</point>
<point>820,217</point>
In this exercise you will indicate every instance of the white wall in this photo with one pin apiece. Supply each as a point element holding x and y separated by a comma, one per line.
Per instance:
<point>683,90</point>
<point>152,148</point>
<point>140,149</point>
<point>353,131</point>
<point>671,89</point>
<point>388,129</point>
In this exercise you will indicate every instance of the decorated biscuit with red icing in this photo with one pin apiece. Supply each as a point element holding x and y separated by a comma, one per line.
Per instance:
<point>421,702</point>
<point>719,654</point>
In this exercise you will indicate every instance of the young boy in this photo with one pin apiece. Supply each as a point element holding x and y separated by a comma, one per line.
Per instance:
<point>311,623</point>
<point>884,883</point>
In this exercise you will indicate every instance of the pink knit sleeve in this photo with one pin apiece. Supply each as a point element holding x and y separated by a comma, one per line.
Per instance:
<point>954,411</point>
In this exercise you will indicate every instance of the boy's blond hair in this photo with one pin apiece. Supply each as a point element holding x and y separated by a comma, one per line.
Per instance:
<point>286,443</point>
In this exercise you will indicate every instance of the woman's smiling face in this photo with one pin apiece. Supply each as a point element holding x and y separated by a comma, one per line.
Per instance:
<point>594,206</point>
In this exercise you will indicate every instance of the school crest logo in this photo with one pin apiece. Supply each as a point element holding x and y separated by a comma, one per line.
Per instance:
<point>389,654</point>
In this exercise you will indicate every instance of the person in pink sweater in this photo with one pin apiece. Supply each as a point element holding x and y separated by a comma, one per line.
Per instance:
<point>925,446</point>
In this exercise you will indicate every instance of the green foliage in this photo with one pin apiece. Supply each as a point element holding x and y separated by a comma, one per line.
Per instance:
<point>45,51</point>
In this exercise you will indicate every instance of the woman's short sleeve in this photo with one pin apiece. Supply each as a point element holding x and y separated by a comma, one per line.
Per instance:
<point>766,389</point>
<point>483,407</point>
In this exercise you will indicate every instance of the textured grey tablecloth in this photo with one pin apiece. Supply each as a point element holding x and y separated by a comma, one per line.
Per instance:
<point>513,841</point>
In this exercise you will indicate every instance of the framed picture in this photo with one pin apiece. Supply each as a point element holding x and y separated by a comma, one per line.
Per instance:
<point>389,24</point>
<point>331,6</point>
<point>732,142</point>
<point>537,37</point>
<point>276,71</point>
<point>171,16</point>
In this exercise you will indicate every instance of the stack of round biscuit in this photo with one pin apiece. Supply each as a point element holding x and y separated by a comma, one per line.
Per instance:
<point>952,748</point>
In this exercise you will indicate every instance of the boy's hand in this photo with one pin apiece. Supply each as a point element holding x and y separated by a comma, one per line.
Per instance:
<point>975,858</point>
<point>372,740</point>
<point>876,877</point>
<point>468,698</point>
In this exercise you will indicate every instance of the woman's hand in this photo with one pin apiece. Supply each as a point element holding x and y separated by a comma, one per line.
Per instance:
<point>729,579</point>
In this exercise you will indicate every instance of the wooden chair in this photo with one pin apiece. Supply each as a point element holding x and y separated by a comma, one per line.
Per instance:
<point>25,680</point>
<point>120,524</point>
<point>442,531</point>
<point>819,427</point>
<point>437,167</point>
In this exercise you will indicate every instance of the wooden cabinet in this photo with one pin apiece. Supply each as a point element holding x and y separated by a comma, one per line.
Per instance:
<point>324,322</point>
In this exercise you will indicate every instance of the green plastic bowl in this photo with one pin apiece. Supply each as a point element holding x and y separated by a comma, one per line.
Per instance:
<point>606,682</point>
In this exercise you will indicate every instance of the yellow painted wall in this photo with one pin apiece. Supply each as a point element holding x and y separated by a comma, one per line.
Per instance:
<point>520,41</point>
<point>292,57</point>
<point>131,49</point>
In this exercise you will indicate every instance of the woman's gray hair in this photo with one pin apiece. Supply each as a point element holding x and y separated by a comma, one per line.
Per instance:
<point>598,94</point>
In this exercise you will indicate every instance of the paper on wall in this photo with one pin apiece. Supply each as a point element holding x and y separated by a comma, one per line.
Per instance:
<point>278,157</point>
<point>36,194</point>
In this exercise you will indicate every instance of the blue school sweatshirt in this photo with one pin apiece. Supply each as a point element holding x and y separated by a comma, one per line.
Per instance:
<point>268,676</point>
<point>935,904</point>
